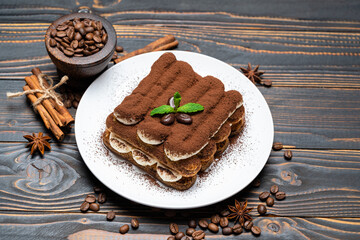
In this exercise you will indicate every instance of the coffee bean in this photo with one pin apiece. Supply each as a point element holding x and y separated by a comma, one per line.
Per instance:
<point>225,212</point>
<point>89,36</point>
<point>74,44</point>
<point>102,198</point>
<point>65,45</point>
<point>183,118</point>
<point>59,40</point>
<point>192,223</point>
<point>185,238</point>
<point>84,206</point>
<point>237,229</point>
<point>263,196</point>
<point>277,146</point>
<point>190,231</point>
<point>70,34</point>
<point>66,39</point>
<point>227,231</point>
<point>280,196</point>
<point>168,119</point>
<point>79,25</point>
<point>248,225</point>
<point>267,83</point>
<point>61,34</point>
<point>104,38</point>
<point>110,216</point>
<point>270,201</point>
<point>67,103</point>
<point>134,223</point>
<point>89,42</point>
<point>215,219</point>
<point>274,189</point>
<point>86,52</point>
<point>52,42</point>
<point>89,29</point>
<point>77,36</point>
<point>93,24</point>
<point>213,227</point>
<point>99,45</point>
<point>179,235</point>
<point>95,207</point>
<point>62,27</point>
<point>124,229</point>
<point>224,222</point>
<point>81,43</point>
<point>97,38</point>
<point>95,51</point>
<point>203,223</point>
<point>199,234</point>
<point>75,103</point>
<point>99,25</point>
<point>171,238</point>
<point>114,56</point>
<point>78,55</point>
<point>90,199</point>
<point>256,183</point>
<point>119,49</point>
<point>261,209</point>
<point>256,230</point>
<point>82,31</point>
<point>288,155</point>
<point>174,228</point>
<point>68,53</point>
<point>53,33</point>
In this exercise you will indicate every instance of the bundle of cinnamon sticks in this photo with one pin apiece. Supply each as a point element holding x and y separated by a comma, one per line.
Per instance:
<point>53,115</point>
<point>164,43</point>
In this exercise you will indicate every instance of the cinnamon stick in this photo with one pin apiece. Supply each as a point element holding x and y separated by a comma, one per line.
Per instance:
<point>164,43</point>
<point>61,109</point>
<point>45,116</point>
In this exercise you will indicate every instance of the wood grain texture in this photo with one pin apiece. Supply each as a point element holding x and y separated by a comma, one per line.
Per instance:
<point>59,182</point>
<point>94,226</point>
<point>303,117</point>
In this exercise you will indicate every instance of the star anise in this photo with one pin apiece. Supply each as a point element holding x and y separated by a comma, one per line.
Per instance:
<point>253,74</point>
<point>38,142</point>
<point>240,212</point>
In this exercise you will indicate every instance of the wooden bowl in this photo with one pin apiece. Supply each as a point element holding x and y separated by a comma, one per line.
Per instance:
<point>82,70</point>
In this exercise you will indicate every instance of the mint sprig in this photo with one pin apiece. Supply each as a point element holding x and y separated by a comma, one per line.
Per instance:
<point>187,108</point>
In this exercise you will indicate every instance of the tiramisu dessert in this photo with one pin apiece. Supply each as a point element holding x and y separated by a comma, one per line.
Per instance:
<point>174,122</point>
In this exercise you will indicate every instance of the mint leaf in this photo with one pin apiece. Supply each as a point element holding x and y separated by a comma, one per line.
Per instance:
<point>177,99</point>
<point>164,109</point>
<point>190,108</point>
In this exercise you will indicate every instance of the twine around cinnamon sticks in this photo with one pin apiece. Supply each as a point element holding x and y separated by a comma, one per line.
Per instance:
<point>46,102</point>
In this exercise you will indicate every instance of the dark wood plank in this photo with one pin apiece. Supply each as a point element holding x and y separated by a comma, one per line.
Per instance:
<point>291,57</point>
<point>59,182</point>
<point>303,117</point>
<point>94,226</point>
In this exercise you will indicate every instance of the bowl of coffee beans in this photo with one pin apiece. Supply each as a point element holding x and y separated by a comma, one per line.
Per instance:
<point>81,46</point>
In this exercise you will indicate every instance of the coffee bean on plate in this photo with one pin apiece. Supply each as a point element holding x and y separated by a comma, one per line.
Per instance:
<point>263,196</point>
<point>224,222</point>
<point>261,209</point>
<point>199,234</point>
<point>183,118</point>
<point>256,230</point>
<point>274,189</point>
<point>110,216</point>
<point>237,229</point>
<point>84,206</point>
<point>288,155</point>
<point>227,231</point>
<point>203,223</point>
<point>280,196</point>
<point>174,228</point>
<point>277,146</point>
<point>124,229</point>
<point>270,201</point>
<point>248,225</point>
<point>168,119</point>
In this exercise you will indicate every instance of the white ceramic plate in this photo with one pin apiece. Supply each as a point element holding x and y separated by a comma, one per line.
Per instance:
<point>238,166</point>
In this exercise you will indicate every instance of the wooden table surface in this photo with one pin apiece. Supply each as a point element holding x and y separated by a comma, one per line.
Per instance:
<point>308,49</point>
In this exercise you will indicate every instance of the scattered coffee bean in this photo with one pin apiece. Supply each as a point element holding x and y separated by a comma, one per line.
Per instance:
<point>199,234</point>
<point>227,231</point>
<point>237,229</point>
<point>174,228</point>
<point>183,118</point>
<point>267,83</point>
<point>280,196</point>
<point>102,197</point>
<point>263,196</point>
<point>95,207</point>
<point>75,104</point>
<point>192,223</point>
<point>168,119</point>
<point>84,206</point>
<point>261,209</point>
<point>270,201</point>
<point>215,219</point>
<point>225,212</point>
<point>119,49</point>
<point>190,231</point>
<point>185,238</point>
<point>114,56</point>
<point>256,230</point>
<point>171,238</point>
<point>110,216</point>
<point>274,189</point>
<point>224,222</point>
<point>124,229</point>
<point>179,235</point>
<point>256,183</point>
<point>90,199</point>
<point>288,155</point>
<point>213,227</point>
<point>134,223</point>
<point>203,223</point>
<point>277,146</point>
<point>248,225</point>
